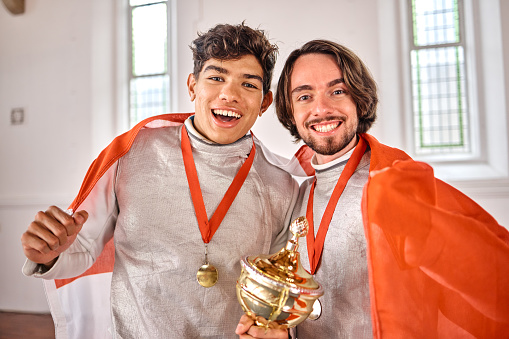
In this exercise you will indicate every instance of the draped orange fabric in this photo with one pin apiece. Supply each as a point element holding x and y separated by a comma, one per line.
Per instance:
<point>304,154</point>
<point>116,149</point>
<point>438,263</point>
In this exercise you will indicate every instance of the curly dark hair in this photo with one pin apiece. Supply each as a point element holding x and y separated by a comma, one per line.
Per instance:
<point>230,42</point>
<point>357,77</point>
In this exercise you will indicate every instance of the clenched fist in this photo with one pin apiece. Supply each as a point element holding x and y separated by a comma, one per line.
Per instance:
<point>51,233</point>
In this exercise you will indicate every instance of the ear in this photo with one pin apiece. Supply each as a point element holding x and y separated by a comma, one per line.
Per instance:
<point>191,83</point>
<point>266,102</point>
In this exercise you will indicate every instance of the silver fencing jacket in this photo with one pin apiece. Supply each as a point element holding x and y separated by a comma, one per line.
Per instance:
<point>343,271</point>
<point>144,203</point>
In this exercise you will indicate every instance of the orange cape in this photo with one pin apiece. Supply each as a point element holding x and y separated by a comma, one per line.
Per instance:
<point>438,263</point>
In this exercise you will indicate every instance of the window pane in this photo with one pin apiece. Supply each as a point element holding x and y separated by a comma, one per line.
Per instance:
<point>149,34</point>
<point>439,100</point>
<point>435,22</point>
<point>149,97</point>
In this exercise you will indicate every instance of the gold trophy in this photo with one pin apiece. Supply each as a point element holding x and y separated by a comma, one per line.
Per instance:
<point>274,290</point>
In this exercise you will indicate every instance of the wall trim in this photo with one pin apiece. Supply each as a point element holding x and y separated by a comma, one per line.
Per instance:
<point>492,189</point>
<point>30,201</point>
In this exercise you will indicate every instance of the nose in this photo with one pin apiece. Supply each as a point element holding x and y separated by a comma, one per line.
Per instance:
<point>322,105</point>
<point>229,93</point>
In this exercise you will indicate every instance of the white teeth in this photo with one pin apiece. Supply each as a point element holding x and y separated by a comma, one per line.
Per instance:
<point>226,113</point>
<point>326,128</point>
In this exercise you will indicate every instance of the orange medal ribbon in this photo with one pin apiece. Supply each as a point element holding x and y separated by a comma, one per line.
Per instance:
<point>315,246</point>
<point>209,227</point>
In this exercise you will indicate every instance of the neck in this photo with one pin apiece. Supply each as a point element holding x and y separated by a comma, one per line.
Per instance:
<point>323,159</point>
<point>194,131</point>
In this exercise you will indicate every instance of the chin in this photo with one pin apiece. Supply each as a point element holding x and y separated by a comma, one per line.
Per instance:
<point>328,146</point>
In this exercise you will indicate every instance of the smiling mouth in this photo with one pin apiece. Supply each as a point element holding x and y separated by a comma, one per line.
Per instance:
<point>225,115</point>
<point>326,127</point>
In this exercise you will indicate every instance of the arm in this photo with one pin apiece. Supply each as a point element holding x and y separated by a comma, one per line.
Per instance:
<point>49,241</point>
<point>284,235</point>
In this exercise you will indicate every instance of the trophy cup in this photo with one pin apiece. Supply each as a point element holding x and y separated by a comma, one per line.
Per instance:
<point>274,290</point>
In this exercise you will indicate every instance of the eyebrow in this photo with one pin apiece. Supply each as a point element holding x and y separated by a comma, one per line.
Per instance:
<point>216,68</point>
<point>308,87</point>
<point>253,76</point>
<point>222,70</point>
<point>336,81</point>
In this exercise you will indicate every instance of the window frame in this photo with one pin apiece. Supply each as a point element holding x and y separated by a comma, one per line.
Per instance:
<point>470,131</point>
<point>171,62</point>
<point>488,171</point>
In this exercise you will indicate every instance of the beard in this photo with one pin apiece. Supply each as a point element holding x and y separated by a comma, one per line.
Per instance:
<point>329,145</point>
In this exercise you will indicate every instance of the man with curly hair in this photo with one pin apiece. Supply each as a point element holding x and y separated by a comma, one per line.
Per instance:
<point>182,203</point>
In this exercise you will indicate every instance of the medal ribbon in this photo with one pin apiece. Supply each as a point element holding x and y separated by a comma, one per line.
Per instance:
<point>209,227</point>
<point>315,246</point>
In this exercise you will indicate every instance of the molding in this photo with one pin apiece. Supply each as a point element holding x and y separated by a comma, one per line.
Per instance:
<point>15,6</point>
<point>491,189</point>
<point>32,201</point>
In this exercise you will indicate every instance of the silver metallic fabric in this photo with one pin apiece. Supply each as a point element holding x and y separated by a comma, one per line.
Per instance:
<point>158,244</point>
<point>343,272</point>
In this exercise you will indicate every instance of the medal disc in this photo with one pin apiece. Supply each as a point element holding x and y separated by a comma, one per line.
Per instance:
<point>317,310</point>
<point>207,275</point>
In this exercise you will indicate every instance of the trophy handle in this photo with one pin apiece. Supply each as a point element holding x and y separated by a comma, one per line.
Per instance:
<point>276,309</point>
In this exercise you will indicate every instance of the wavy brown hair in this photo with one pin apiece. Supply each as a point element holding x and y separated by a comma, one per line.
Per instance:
<point>358,79</point>
<point>231,42</point>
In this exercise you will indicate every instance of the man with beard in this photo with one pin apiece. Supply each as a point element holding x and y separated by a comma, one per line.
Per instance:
<point>399,253</point>
<point>182,203</point>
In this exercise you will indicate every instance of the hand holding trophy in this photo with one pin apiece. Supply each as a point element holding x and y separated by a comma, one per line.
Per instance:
<point>274,290</point>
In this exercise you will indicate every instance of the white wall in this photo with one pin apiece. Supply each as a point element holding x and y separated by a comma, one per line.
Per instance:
<point>59,61</point>
<point>45,65</point>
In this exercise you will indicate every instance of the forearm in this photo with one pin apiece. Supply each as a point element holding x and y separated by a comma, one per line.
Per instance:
<point>73,262</point>
<point>284,235</point>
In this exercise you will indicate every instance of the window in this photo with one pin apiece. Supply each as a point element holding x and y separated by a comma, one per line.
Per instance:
<point>149,78</point>
<point>469,146</point>
<point>439,89</point>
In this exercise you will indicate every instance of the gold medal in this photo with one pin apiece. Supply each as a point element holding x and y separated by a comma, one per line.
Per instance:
<point>317,310</point>
<point>207,275</point>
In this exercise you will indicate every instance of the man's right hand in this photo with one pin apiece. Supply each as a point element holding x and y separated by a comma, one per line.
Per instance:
<point>51,233</point>
<point>247,329</point>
